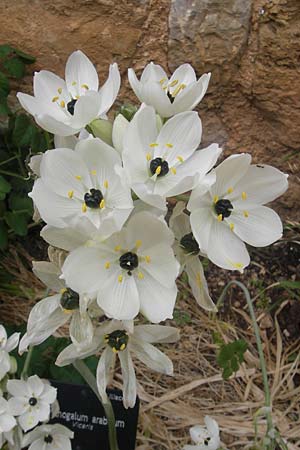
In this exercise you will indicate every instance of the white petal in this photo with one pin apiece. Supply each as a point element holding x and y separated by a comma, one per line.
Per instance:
<point>54,125</point>
<point>46,85</point>
<point>49,394</point>
<point>262,226</point>
<point>153,72</point>
<point>129,380</point>
<point>153,94</point>
<point>156,334</point>
<point>31,104</point>
<point>201,223</point>
<point>86,109</point>
<point>81,328</point>
<point>79,69</point>
<point>229,172</point>
<point>152,357</point>
<point>4,363</point>
<point>7,422</point>
<point>211,425</point>
<point>35,385</point>
<point>105,364</point>
<point>183,74</point>
<point>179,221</point>
<point>120,127</point>
<point>189,97</point>
<point>18,388</point>
<point>18,405</point>
<point>65,141</point>
<point>110,89</point>
<point>198,283</point>
<point>134,83</point>
<point>163,266</point>
<point>12,342</point>
<point>49,274</point>
<point>35,163</point>
<point>69,238</point>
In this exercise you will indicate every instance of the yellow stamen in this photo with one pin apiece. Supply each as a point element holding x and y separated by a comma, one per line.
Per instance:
<point>63,290</point>
<point>246,214</point>
<point>158,170</point>
<point>107,265</point>
<point>123,346</point>
<point>173,170</point>
<point>220,218</point>
<point>67,311</point>
<point>74,83</point>
<point>105,184</point>
<point>198,279</point>
<point>62,104</point>
<point>174,82</point>
<point>78,177</point>
<point>120,278</point>
<point>154,144</point>
<point>180,158</point>
<point>147,259</point>
<point>244,195</point>
<point>216,198</point>
<point>229,190</point>
<point>169,145</point>
<point>84,208</point>
<point>231,226</point>
<point>55,99</point>
<point>138,243</point>
<point>163,80</point>
<point>93,172</point>
<point>117,248</point>
<point>140,275</point>
<point>85,86</point>
<point>102,204</point>
<point>70,194</point>
<point>148,156</point>
<point>238,265</point>
<point>59,90</point>
<point>114,350</point>
<point>77,97</point>
<point>178,89</point>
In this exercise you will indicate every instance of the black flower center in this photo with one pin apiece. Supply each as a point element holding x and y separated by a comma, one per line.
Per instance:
<point>206,441</point>
<point>171,98</point>
<point>32,401</point>
<point>69,299</point>
<point>223,207</point>
<point>48,439</point>
<point>189,243</point>
<point>158,166</point>
<point>93,198</point>
<point>129,261</point>
<point>117,340</point>
<point>71,106</point>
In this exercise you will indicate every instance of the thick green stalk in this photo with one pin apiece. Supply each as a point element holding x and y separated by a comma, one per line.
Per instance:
<point>24,374</point>
<point>87,375</point>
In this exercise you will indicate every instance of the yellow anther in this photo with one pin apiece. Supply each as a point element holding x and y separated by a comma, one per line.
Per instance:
<point>246,214</point>
<point>77,97</point>
<point>67,311</point>
<point>220,218</point>
<point>173,83</point>
<point>148,156</point>
<point>85,86</point>
<point>147,259</point>
<point>231,226</point>
<point>138,243</point>
<point>120,278</point>
<point>93,172</point>
<point>105,184</point>
<point>238,265</point>
<point>107,265</point>
<point>59,90</point>
<point>74,83</point>
<point>180,158</point>
<point>70,194</point>
<point>114,350</point>
<point>173,170</point>
<point>169,145</point>
<point>198,279</point>
<point>123,346</point>
<point>163,80</point>
<point>158,170</point>
<point>229,190</point>
<point>78,177</point>
<point>117,248</point>
<point>84,208</point>
<point>62,104</point>
<point>153,144</point>
<point>102,204</point>
<point>63,290</point>
<point>244,195</point>
<point>140,275</point>
<point>178,89</point>
<point>55,99</point>
<point>216,198</point>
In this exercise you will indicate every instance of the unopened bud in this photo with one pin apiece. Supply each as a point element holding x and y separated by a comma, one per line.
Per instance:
<point>102,129</point>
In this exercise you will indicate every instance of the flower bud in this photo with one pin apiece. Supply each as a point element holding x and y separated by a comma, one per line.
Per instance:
<point>102,129</point>
<point>13,365</point>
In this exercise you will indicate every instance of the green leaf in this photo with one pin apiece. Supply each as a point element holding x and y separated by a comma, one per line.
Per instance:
<point>4,108</point>
<point>15,67</point>
<point>5,186</point>
<point>17,222</point>
<point>5,50</point>
<point>230,356</point>
<point>3,236</point>
<point>20,203</point>
<point>27,59</point>
<point>4,85</point>
<point>290,284</point>
<point>22,132</point>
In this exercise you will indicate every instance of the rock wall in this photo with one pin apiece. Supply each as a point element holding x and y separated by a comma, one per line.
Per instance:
<point>250,46</point>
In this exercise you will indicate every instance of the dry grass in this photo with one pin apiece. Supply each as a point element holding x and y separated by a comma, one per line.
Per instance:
<point>170,405</point>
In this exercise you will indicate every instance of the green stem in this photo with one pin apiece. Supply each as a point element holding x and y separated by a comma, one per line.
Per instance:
<point>259,347</point>
<point>48,140</point>
<point>2,163</point>
<point>183,198</point>
<point>11,174</point>
<point>87,375</point>
<point>24,374</point>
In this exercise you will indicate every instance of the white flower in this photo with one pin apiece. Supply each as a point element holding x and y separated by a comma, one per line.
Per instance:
<point>182,92</point>
<point>133,270</point>
<point>231,211</point>
<point>6,346</point>
<point>65,107</point>
<point>56,310</point>
<point>119,338</point>
<point>83,183</point>
<point>7,420</point>
<point>30,401</point>
<point>205,438</point>
<point>187,252</point>
<point>165,163</point>
<point>119,129</point>
<point>49,437</point>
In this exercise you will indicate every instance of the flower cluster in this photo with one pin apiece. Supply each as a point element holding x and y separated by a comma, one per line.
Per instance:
<point>103,191</point>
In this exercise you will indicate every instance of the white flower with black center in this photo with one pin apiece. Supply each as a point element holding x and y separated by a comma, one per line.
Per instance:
<point>56,310</point>
<point>121,339</point>
<point>49,437</point>
<point>187,252</point>
<point>165,163</point>
<point>83,183</point>
<point>65,107</point>
<point>6,346</point>
<point>30,401</point>
<point>132,271</point>
<point>205,438</point>
<point>182,92</point>
<point>231,212</point>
